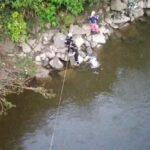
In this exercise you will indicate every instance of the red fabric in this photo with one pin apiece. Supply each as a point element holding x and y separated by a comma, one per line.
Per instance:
<point>94,27</point>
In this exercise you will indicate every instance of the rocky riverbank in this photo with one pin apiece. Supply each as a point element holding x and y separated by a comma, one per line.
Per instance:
<point>48,49</point>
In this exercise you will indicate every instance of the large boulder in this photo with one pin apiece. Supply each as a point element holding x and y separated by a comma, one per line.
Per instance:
<point>63,56</point>
<point>146,3</point>
<point>139,12</point>
<point>59,40</point>
<point>78,41</point>
<point>38,47</point>
<point>75,29</point>
<point>99,38</point>
<point>56,63</point>
<point>47,37</point>
<point>62,50</point>
<point>118,5</point>
<point>147,12</point>
<point>50,54</point>
<point>121,19</point>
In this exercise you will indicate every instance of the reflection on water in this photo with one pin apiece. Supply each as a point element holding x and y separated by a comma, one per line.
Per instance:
<point>103,109</point>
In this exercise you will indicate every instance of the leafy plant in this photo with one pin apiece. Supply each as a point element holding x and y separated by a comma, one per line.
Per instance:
<point>48,14</point>
<point>17,27</point>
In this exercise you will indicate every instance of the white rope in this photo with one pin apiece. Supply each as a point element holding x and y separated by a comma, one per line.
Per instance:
<point>58,109</point>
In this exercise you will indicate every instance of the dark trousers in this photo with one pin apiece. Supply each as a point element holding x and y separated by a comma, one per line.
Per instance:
<point>73,49</point>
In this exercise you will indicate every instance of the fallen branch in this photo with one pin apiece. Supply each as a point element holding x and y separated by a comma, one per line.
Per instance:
<point>18,87</point>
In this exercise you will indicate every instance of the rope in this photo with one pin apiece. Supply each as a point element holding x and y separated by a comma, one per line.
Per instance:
<point>58,108</point>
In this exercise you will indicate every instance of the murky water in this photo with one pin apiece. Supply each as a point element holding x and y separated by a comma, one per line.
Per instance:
<point>106,109</point>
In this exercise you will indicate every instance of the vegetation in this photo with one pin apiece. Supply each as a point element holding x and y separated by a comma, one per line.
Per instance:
<point>16,80</point>
<point>16,15</point>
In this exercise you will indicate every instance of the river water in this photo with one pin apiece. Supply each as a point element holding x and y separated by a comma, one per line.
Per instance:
<point>103,109</point>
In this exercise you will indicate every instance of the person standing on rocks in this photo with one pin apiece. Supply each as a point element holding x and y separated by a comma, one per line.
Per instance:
<point>72,48</point>
<point>93,19</point>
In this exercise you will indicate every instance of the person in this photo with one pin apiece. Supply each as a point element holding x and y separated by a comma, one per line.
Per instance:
<point>72,47</point>
<point>93,19</point>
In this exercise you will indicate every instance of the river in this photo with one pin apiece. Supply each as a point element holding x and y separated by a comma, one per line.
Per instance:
<point>103,109</point>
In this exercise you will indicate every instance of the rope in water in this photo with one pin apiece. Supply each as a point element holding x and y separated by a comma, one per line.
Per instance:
<point>58,108</point>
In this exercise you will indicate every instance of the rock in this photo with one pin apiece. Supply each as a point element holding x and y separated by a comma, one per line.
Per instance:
<point>82,54</point>
<point>89,38</point>
<point>45,62</point>
<point>105,30</point>
<point>62,50</point>
<point>146,3</point>
<point>118,5</point>
<point>59,40</point>
<point>32,42</point>
<point>50,54</point>
<point>47,37</point>
<point>26,48</point>
<point>109,22</point>
<point>38,60</point>
<point>87,29</point>
<point>42,74</point>
<point>56,63</point>
<point>88,48</point>
<point>94,62</point>
<point>52,48</point>
<point>45,40</point>
<point>38,47</point>
<point>124,25</point>
<point>137,13</point>
<point>99,38</point>
<point>63,56</point>
<point>75,29</point>
<point>80,59</point>
<point>78,41</point>
<point>120,20</point>
<point>93,44</point>
<point>141,4</point>
<point>43,56</point>
<point>147,12</point>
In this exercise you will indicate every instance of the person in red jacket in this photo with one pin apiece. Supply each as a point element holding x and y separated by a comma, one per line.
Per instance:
<point>93,19</point>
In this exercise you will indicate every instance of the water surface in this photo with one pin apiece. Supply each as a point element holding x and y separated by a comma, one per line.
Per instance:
<point>104,109</point>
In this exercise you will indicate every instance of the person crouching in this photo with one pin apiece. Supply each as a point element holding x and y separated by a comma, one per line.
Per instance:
<point>72,48</point>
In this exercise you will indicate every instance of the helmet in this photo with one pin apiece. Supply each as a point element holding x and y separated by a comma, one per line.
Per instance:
<point>69,34</point>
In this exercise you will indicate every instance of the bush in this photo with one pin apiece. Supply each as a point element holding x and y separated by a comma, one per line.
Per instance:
<point>17,27</point>
<point>48,14</point>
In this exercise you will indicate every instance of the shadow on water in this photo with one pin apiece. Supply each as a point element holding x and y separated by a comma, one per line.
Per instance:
<point>106,108</point>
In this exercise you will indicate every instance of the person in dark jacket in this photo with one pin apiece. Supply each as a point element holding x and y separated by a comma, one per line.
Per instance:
<point>72,47</point>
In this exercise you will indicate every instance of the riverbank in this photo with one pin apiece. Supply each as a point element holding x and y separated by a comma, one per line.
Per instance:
<point>46,50</point>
